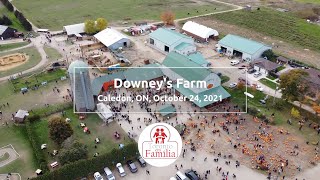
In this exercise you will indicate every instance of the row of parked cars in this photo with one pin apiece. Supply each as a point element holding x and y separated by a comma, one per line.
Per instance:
<point>188,175</point>
<point>131,165</point>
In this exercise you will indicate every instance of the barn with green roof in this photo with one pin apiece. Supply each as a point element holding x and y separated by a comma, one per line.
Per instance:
<point>247,49</point>
<point>177,66</point>
<point>167,40</point>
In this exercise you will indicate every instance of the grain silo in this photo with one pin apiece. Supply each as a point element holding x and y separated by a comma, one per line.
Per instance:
<point>81,86</point>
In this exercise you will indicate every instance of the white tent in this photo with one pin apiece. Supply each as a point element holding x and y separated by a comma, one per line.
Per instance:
<point>199,30</point>
<point>74,29</point>
<point>104,111</point>
<point>109,36</point>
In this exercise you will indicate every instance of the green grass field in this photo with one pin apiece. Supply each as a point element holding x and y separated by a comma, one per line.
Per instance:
<point>37,79</point>
<point>54,14</point>
<point>5,47</point>
<point>268,83</point>
<point>94,123</point>
<point>284,26</point>
<point>15,22</point>
<point>309,1</point>
<point>52,53</point>
<point>26,163</point>
<point>34,59</point>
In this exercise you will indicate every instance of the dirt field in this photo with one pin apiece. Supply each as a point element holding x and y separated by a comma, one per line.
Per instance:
<point>13,60</point>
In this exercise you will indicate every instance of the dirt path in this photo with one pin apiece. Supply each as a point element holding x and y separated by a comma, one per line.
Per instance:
<point>12,155</point>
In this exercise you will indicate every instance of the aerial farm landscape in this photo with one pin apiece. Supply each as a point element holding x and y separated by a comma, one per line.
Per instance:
<point>81,82</point>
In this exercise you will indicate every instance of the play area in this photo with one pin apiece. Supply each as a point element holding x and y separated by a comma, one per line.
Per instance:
<point>13,60</point>
<point>7,155</point>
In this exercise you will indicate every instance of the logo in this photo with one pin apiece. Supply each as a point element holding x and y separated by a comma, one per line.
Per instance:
<point>160,144</point>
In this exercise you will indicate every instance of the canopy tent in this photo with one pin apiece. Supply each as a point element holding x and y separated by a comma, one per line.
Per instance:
<point>199,30</point>
<point>167,110</point>
<point>104,111</point>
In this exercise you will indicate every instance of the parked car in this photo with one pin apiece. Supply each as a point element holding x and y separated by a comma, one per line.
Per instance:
<point>97,176</point>
<point>191,174</point>
<point>257,74</point>
<point>234,62</point>
<point>141,161</point>
<point>250,71</point>
<point>120,169</point>
<point>262,101</point>
<point>133,168</point>
<point>181,176</point>
<point>232,85</point>
<point>109,174</point>
<point>219,74</point>
<point>242,67</point>
<point>259,88</point>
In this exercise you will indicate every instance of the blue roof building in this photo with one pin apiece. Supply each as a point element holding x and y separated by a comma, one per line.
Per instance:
<point>247,49</point>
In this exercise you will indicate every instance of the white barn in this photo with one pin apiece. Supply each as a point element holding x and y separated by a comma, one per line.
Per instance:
<point>199,32</point>
<point>74,29</point>
<point>166,40</point>
<point>112,38</point>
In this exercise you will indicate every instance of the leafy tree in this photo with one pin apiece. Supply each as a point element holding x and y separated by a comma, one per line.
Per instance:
<point>295,113</point>
<point>101,24</point>
<point>74,153</point>
<point>168,17</point>
<point>89,27</point>
<point>270,55</point>
<point>292,85</point>
<point>6,20</point>
<point>59,129</point>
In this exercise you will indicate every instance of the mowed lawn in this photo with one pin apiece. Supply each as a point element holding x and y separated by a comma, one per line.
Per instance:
<point>309,1</point>
<point>54,14</point>
<point>95,125</point>
<point>53,54</point>
<point>34,59</point>
<point>284,26</point>
<point>5,47</point>
<point>17,137</point>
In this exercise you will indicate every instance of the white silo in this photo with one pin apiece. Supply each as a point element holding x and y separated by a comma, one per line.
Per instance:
<point>81,86</point>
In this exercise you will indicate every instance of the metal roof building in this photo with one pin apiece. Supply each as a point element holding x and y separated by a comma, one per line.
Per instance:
<point>247,49</point>
<point>166,40</point>
<point>81,86</point>
<point>145,73</point>
<point>112,38</point>
<point>74,29</point>
<point>181,67</point>
<point>6,32</point>
<point>198,31</point>
<point>98,83</point>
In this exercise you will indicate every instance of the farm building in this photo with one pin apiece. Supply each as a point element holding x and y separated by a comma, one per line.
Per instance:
<point>166,40</point>
<point>185,48</point>
<point>313,81</point>
<point>7,32</point>
<point>81,86</point>
<point>247,49</point>
<point>104,83</point>
<point>74,29</point>
<point>265,66</point>
<point>144,73</point>
<point>167,111</point>
<point>20,116</point>
<point>112,39</point>
<point>199,32</point>
<point>193,72</point>
<point>198,58</point>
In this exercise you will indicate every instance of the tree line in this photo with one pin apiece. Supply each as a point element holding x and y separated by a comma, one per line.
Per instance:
<point>25,23</point>
<point>4,20</point>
